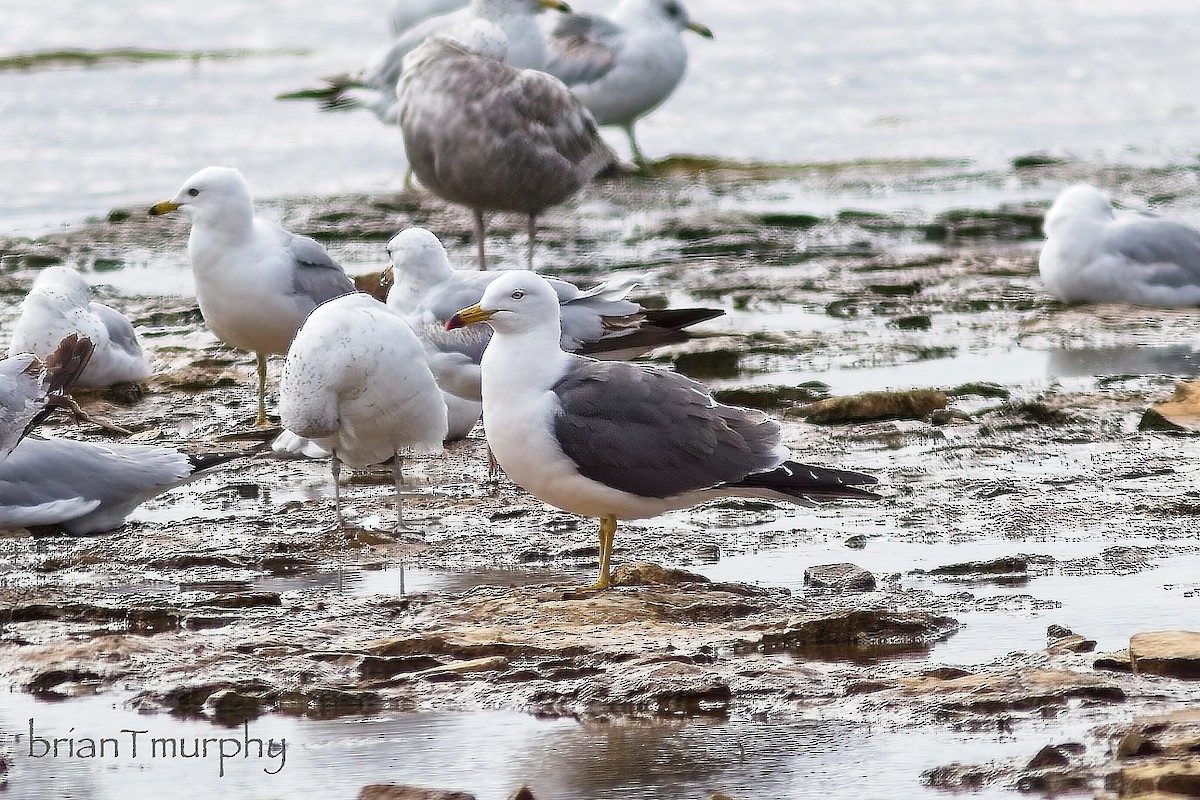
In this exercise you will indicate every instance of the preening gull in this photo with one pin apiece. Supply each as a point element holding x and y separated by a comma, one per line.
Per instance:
<point>83,487</point>
<point>59,304</point>
<point>619,441</point>
<point>624,67</point>
<point>1092,255</point>
<point>490,136</point>
<point>255,282</point>
<point>601,321</point>
<point>356,383</point>
<point>374,87</point>
<point>31,389</point>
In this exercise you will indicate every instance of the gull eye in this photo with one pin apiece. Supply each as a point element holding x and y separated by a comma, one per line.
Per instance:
<point>518,294</point>
<point>193,192</point>
<point>673,9</point>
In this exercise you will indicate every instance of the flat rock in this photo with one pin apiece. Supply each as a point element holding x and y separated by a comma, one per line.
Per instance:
<point>1169,776</point>
<point>1175,654</point>
<point>394,792</point>
<point>873,406</point>
<point>1011,690</point>
<point>1180,414</point>
<point>843,577</point>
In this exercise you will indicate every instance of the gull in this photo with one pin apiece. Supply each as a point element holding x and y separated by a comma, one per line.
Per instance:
<point>374,88</point>
<point>59,304</point>
<point>355,382</point>
<point>407,13</point>
<point>31,389</point>
<point>255,282</point>
<point>624,67</point>
<point>1091,255</point>
<point>427,291</point>
<point>619,441</point>
<point>487,135</point>
<point>82,487</point>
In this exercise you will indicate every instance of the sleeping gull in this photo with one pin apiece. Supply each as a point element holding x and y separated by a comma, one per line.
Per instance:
<point>374,88</point>
<point>490,136</point>
<point>83,487</point>
<point>601,321</point>
<point>31,389</point>
<point>620,441</point>
<point>60,303</point>
<point>255,282</point>
<point>356,383</point>
<point>1091,255</point>
<point>624,67</point>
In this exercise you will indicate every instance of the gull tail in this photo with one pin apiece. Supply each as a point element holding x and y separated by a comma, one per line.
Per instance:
<point>629,337</point>
<point>807,482</point>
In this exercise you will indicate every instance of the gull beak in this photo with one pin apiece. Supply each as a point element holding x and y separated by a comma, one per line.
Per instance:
<point>555,5</point>
<point>165,207</point>
<point>387,277</point>
<point>468,316</point>
<point>703,30</point>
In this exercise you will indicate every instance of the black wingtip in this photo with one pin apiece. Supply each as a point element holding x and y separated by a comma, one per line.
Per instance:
<point>205,461</point>
<point>678,318</point>
<point>814,483</point>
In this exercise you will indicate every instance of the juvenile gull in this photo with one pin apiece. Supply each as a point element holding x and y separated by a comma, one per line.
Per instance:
<point>490,136</point>
<point>615,440</point>
<point>374,88</point>
<point>31,389</point>
<point>356,383</point>
<point>59,304</point>
<point>601,321</point>
<point>624,67</point>
<point>83,487</point>
<point>1091,255</point>
<point>255,282</point>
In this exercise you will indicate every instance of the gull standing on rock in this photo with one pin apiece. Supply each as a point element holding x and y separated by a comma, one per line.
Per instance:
<point>356,383</point>
<point>59,304</point>
<point>624,67</point>
<point>619,441</point>
<point>490,136</point>
<point>255,282</point>
<point>1091,255</point>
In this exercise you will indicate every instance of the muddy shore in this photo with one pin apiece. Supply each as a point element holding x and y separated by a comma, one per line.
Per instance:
<point>226,598</point>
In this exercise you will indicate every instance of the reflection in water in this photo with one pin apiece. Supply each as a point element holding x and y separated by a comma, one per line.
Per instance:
<point>491,753</point>
<point>1180,360</point>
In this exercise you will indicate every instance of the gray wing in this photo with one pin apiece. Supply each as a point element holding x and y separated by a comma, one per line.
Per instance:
<point>22,396</point>
<point>317,275</point>
<point>1170,249</point>
<point>582,48</point>
<point>452,295</point>
<point>57,481</point>
<point>655,433</point>
<point>386,69</point>
<point>120,330</point>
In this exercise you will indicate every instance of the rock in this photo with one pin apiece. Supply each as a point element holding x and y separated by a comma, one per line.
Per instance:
<point>855,542</point>
<point>1170,777</point>
<point>233,706</point>
<point>661,687</point>
<point>873,406</point>
<point>1174,654</point>
<point>1074,643</point>
<point>1017,690</point>
<point>840,577</point>
<point>384,667</point>
<point>523,793</point>
<point>645,573</point>
<point>1119,661</point>
<point>485,664</point>
<point>1179,414</point>
<point>395,792</point>
<point>859,628</point>
<point>1049,756</point>
<point>999,566</point>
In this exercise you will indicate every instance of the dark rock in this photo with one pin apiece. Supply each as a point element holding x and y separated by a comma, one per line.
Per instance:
<point>873,406</point>
<point>1136,744</point>
<point>647,574</point>
<point>855,542</point>
<point>233,706</point>
<point>999,566</point>
<point>959,777</point>
<point>859,628</point>
<point>396,792</point>
<point>1054,632</point>
<point>523,793</point>
<point>896,289</point>
<point>1073,643</point>
<point>840,577</point>
<point>383,667</point>
<point>979,389</point>
<point>1049,756</point>
<point>244,600</point>
<point>47,681</point>
<point>1114,662</point>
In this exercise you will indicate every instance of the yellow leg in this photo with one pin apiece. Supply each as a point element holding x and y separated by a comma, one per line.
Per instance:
<point>608,530</point>
<point>261,420</point>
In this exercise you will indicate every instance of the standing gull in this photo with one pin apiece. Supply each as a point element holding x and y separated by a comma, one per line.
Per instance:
<point>490,136</point>
<point>615,440</point>
<point>356,383</point>
<point>59,304</point>
<point>624,67</point>
<point>1091,255</point>
<point>255,282</point>
<point>601,322</point>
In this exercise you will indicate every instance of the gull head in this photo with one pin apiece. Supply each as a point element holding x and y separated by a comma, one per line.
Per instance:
<point>1079,202</point>
<point>418,263</point>
<point>211,193</point>
<point>516,302</point>
<point>492,9</point>
<point>477,37</point>
<point>671,13</point>
<point>66,282</point>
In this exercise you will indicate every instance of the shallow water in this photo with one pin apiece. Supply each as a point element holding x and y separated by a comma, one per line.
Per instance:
<point>492,753</point>
<point>975,82</point>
